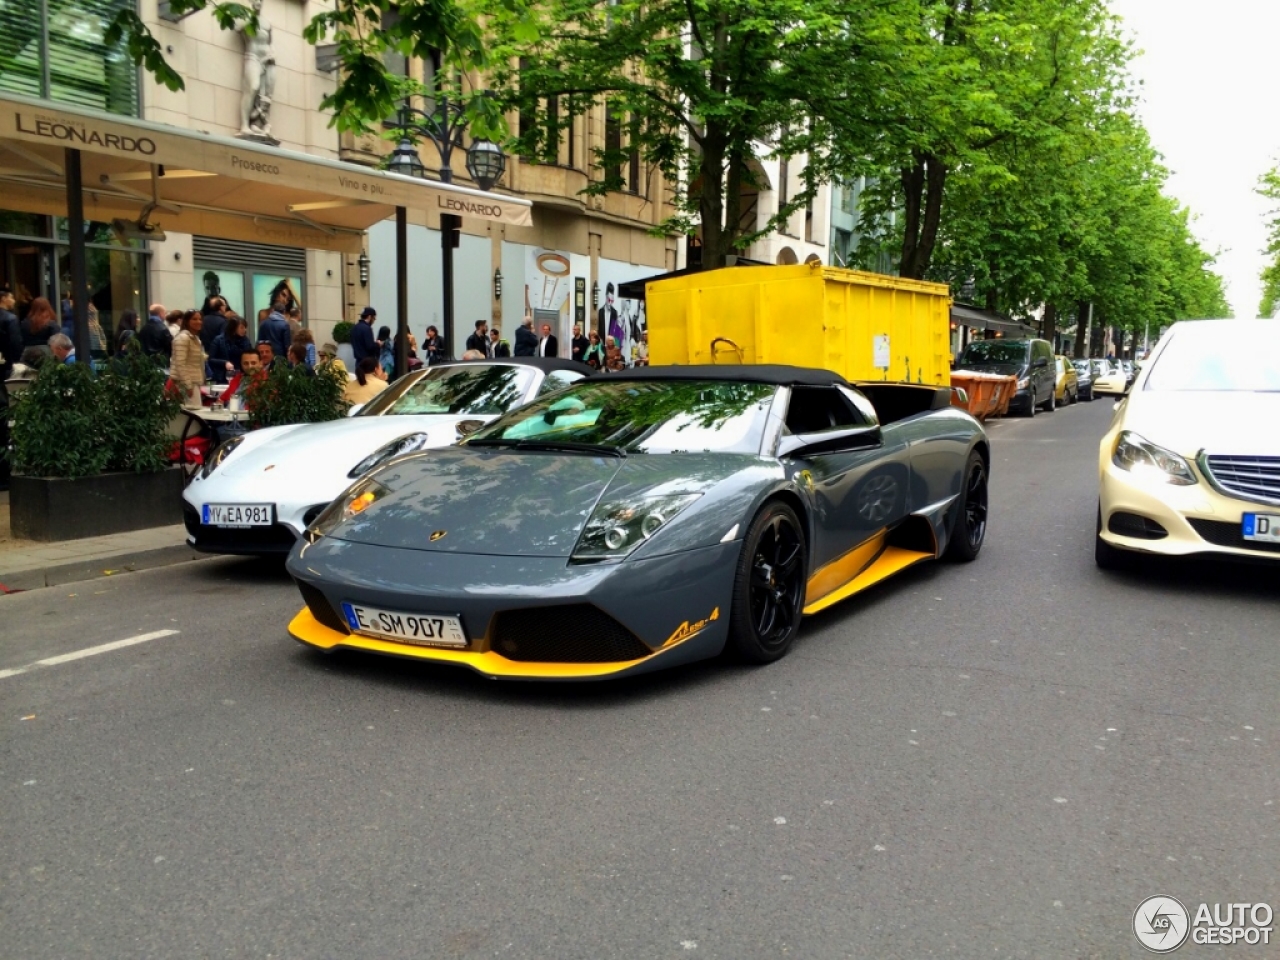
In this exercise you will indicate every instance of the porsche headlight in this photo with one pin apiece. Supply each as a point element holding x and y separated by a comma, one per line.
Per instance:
<point>409,443</point>
<point>1144,459</point>
<point>356,500</point>
<point>617,527</point>
<point>223,450</point>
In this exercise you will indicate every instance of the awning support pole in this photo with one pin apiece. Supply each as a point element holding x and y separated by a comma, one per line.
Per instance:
<point>450,225</point>
<point>75,234</point>
<point>402,293</point>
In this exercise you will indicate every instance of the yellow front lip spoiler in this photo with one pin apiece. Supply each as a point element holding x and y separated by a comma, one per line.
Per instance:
<point>305,628</point>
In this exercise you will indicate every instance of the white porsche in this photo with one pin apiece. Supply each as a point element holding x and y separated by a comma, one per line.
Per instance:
<point>259,492</point>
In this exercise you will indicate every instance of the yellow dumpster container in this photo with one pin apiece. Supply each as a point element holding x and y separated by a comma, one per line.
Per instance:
<point>864,326</point>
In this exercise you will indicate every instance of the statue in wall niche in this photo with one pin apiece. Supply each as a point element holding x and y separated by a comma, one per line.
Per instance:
<point>259,79</point>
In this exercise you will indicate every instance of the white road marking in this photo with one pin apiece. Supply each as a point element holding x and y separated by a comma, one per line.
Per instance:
<point>88,652</point>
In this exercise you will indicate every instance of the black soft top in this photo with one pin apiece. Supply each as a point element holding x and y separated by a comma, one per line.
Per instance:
<point>545,364</point>
<point>775,374</point>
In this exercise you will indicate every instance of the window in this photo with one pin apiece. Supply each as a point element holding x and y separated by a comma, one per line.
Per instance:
<point>612,149</point>
<point>528,116</point>
<point>808,220</point>
<point>633,166</point>
<point>783,185</point>
<point>815,409</point>
<point>558,380</point>
<point>58,52</point>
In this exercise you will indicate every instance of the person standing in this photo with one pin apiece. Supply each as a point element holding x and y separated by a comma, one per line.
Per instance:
<point>363,343</point>
<point>499,349</point>
<point>214,323</point>
<point>479,340</point>
<point>369,382</point>
<point>526,339</point>
<point>593,356</point>
<point>228,348</point>
<point>578,345</point>
<point>434,347</point>
<point>10,353</point>
<point>548,346</point>
<point>275,329</point>
<point>154,335</point>
<point>39,324</point>
<point>187,367</point>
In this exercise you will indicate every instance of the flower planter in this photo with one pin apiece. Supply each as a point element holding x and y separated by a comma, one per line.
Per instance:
<point>52,508</point>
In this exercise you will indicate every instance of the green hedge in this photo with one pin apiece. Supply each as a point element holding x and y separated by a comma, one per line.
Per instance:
<point>296,395</point>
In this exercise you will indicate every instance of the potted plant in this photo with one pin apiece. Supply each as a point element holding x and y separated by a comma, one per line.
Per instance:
<point>296,395</point>
<point>91,454</point>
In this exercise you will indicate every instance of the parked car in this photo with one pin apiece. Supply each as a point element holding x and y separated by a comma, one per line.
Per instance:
<point>1084,378</point>
<point>1067,390</point>
<point>1191,464</point>
<point>1130,371</point>
<point>259,492</point>
<point>1110,380</point>
<point>1031,361</point>
<point>664,515</point>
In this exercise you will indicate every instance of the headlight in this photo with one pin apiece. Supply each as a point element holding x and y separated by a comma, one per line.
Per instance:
<point>1024,383</point>
<point>409,443</point>
<point>618,527</point>
<point>1145,459</point>
<point>355,501</point>
<point>223,450</point>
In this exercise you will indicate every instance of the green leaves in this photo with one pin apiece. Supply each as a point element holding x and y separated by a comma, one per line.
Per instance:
<point>1269,187</point>
<point>296,395</point>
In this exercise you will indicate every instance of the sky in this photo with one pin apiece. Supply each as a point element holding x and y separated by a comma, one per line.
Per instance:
<point>1210,72</point>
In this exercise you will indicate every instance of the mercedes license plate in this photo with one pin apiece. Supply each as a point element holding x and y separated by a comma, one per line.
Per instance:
<point>423,629</point>
<point>236,515</point>
<point>1262,526</point>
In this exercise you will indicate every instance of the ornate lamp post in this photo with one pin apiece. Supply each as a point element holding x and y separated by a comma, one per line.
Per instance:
<point>444,126</point>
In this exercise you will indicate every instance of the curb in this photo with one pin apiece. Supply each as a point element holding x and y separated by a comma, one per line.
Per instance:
<point>75,571</point>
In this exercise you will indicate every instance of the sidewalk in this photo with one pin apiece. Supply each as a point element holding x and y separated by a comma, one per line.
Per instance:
<point>28,565</point>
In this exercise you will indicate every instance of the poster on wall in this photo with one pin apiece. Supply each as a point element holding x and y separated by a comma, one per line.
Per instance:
<point>548,291</point>
<point>624,320</point>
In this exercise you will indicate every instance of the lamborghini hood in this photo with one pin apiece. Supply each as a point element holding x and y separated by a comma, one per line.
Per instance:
<point>511,503</point>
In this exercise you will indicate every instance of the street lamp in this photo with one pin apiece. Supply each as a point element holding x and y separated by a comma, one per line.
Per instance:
<point>497,284</point>
<point>362,263</point>
<point>444,126</point>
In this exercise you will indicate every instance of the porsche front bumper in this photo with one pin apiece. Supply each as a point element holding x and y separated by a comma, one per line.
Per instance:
<point>1196,519</point>
<point>532,618</point>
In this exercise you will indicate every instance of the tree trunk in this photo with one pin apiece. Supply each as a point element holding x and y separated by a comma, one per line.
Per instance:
<point>733,198</point>
<point>912,198</point>
<point>1051,325</point>
<point>711,199</point>
<point>936,181</point>
<point>1082,329</point>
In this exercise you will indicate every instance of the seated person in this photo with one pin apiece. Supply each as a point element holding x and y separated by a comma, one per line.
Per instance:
<point>267,355</point>
<point>63,349</point>
<point>369,382</point>
<point>298,358</point>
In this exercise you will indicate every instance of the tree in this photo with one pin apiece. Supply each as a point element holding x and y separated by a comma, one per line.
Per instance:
<point>1269,187</point>
<point>698,88</point>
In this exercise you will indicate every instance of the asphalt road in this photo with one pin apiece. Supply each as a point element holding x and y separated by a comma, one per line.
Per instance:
<point>999,759</point>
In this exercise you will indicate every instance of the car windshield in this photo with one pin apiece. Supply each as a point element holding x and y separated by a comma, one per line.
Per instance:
<point>1082,366</point>
<point>671,416</point>
<point>1212,360</point>
<point>479,390</point>
<point>995,351</point>
<point>1101,368</point>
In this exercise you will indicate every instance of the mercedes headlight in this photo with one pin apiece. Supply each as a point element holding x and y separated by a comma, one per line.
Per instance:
<point>409,443</point>
<point>220,453</point>
<point>1144,459</point>
<point>356,500</point>
<point>617,527</point>
<point>1024,383</point>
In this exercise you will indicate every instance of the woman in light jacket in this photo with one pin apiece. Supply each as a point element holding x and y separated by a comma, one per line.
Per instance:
<point>187,365</point>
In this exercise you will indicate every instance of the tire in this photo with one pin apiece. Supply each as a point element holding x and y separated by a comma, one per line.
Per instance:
<point>1051,404</point>
<point>769,586</point>
<point>969,528</point>
<point>1105,555</point>
<point>1031,406</point>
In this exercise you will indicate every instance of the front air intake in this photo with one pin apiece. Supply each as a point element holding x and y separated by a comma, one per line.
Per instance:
<point>572,633</point>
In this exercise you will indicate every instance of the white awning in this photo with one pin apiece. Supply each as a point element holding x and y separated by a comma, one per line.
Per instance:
<point>213,186</point>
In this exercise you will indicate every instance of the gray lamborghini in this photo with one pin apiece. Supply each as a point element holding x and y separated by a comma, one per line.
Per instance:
<point>643,520</point>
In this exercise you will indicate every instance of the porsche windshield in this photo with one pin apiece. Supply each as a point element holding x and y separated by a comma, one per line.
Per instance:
<point>1012,352</point>
<point>1211,360</point>
<point>672,416</point>
<point>477,390</point>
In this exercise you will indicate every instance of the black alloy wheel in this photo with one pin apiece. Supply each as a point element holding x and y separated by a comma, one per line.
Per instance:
<point>969,529</point>
<point>1051,404</point>
<point>768,591</point>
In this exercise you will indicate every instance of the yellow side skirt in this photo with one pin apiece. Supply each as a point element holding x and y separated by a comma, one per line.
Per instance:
<point>310,631</point>
<point>891,561</point>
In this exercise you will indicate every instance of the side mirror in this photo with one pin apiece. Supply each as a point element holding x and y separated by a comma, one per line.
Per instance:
<point>831,441</point>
